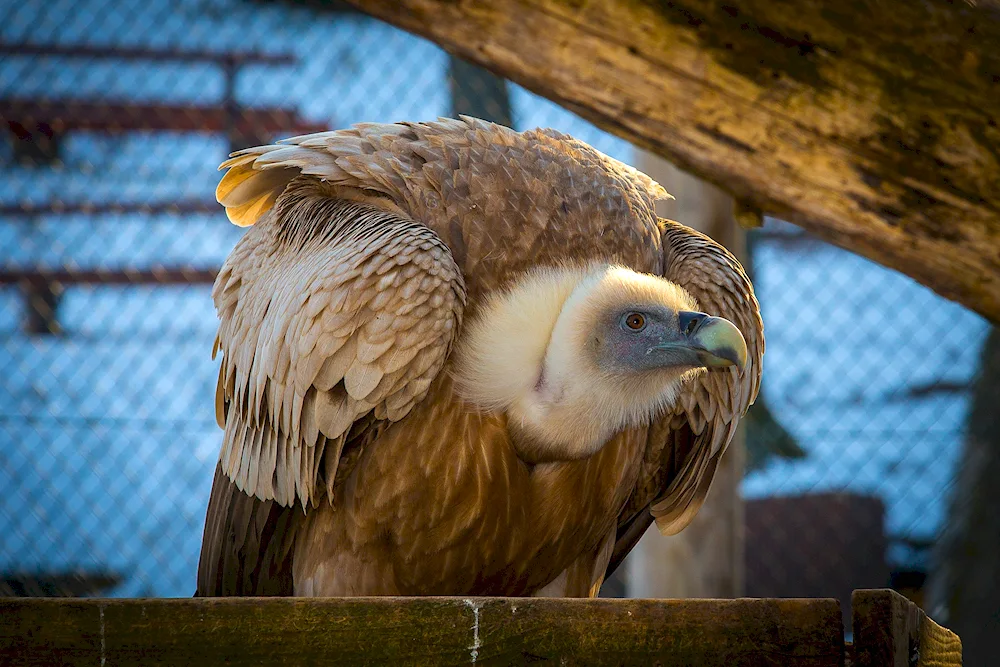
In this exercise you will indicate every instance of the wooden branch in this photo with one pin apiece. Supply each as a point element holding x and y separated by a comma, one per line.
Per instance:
<point>500,631</point>
<point>874,123</point>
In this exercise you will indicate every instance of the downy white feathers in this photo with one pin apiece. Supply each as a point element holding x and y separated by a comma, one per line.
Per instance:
<point>531,352</point>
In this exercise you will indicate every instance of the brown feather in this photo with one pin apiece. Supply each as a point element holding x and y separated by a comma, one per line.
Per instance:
<point>426,495</point>
<point>246,549</point>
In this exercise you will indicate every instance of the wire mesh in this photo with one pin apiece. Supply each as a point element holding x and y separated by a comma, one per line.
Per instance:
<point>116,116</point>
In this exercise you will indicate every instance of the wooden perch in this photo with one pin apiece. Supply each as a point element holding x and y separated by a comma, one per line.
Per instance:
<point>892,631</point>
<point>451,631</point>
<point>873,124</point>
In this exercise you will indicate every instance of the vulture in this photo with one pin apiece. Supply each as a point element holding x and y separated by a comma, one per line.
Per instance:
<point>459,359</point>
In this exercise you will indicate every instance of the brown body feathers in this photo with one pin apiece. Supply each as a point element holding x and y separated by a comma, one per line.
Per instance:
<point>351,465</point>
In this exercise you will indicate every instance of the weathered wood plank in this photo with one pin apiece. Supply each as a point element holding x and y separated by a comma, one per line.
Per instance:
<point>875,124</point>
<point>502,631</point>
<point>891,631</point>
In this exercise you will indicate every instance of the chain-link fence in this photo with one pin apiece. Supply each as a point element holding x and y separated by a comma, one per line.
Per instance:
<point>116,115</point>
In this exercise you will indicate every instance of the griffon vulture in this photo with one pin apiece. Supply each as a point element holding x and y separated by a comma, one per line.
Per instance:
<point>460,359</point>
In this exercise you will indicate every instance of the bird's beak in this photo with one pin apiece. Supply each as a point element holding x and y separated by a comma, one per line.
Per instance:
<point>714,341</point>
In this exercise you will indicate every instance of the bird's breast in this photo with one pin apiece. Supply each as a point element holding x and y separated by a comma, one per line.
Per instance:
<point>441,504</point>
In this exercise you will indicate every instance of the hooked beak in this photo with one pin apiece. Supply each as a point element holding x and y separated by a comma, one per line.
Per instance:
<point>716,342</point>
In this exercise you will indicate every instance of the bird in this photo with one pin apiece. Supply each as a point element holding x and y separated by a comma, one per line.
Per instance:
<point>459,359</point>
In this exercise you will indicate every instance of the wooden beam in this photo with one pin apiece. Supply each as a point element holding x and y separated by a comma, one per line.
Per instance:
<point>500,631</point>
<point>891,631</point>
<point>875,124</point>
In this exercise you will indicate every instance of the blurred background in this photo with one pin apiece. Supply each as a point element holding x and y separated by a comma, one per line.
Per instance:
<point>870,456</point>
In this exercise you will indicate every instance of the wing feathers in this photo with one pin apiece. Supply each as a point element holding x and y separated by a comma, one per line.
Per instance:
<point>333,311</point>
<point>335,366</point>
<point>335,412</point>
<point>369,351</point>
<point>240,186</point>
<point>373,157</point>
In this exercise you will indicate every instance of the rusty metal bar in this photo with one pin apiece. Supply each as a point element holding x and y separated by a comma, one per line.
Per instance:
<point>62,116</point>
<point>182,207</point>
<point>154,275</point>
<point>159,55</point>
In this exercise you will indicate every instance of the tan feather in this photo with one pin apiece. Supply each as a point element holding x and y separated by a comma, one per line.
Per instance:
<point>239,434</point>
<point>369,351</point>
<point>337,316</point>
<point>291,471</point>
<point>335,367</point>
<point>334,449</point>
<point>220,398</point>
<point>282,494</point>
<point>361,379</point>
<point>237,175</point>
<point>309,427</point>
<point>334,413</point>
<point>253,470</point>
<point>266,465</point>
<point>248,213</point>
<point>248,185</point>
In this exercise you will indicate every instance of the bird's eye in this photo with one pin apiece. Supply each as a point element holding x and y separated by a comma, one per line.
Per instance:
<point>635,321</point>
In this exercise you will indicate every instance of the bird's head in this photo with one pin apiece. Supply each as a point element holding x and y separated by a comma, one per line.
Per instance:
<point>575,355</point>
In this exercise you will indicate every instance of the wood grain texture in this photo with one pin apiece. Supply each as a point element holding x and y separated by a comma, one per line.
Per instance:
<point>873,124</point>
<point>891,631</point>
<point>502,631</point>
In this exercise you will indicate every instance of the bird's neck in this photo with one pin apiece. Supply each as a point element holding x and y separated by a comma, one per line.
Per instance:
<point>525,354</point>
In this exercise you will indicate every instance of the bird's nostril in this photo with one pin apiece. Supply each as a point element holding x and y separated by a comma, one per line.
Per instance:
<point>689,321</point>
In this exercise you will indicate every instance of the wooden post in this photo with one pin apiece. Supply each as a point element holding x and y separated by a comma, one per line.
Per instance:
<point>706,558</point>
<point>891,631</point>
<point>964,584</point>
